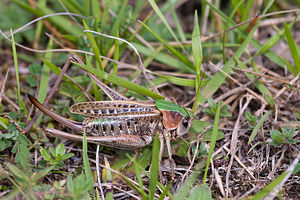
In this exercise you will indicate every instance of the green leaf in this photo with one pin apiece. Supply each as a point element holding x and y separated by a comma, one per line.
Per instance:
<point>60,149</point>
<point>66,156</point>
<point>45,154</point>
<point>24,140</point>
<point>23,156</point>
<point>36,176</point>
<point>70,183</point>
<point>201,192</point>
<point>19,175</point>
<point>209,135</point>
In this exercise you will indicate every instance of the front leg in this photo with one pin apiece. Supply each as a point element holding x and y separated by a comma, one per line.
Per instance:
<point>126,142</point>
<point>167,136</point>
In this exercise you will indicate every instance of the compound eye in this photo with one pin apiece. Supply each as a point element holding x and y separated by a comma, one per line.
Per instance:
<point>185,122</point>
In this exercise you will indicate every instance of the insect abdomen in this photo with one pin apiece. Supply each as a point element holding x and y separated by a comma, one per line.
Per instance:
<point>129,126</point>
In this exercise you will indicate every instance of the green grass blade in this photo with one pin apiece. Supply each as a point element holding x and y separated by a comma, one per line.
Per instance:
<point>105,16</point>
<point>293,47</point>
<point>247,10</point>
<point>94,47</point>
<point>96,10</point>
<point>154,167</point>
<point>269,54</point>
<point>165,192</point>
<point>130,183</point>
<point>54,68</point>
<point>137,169</point>
<point>258,125</point>
<point>60,21</point>
<point>116,54</point>
<point>185,188</point>
<point>163,58</point>
<point>198,56</point>
<point>117,22</point>
<point>218,79</point>
<point>121,82</point>
<point>86,8</point>
<point>177,23</point>
<point>289,66</point>
<point>177,80</point>
<point>264,192</point>
<point>213,140</point>
<point>21,103</point>
<point>163,19</point>
<point>44,81</point>
<point>86,163</point>
<point>226,27</point>
<point>73,6</point>
<point>275,39</point>
<point>172,49</point>
<point>109,178</point>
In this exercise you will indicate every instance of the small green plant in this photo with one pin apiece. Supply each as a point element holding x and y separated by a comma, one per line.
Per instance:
<point>283,137</point>
<point>79,187</point>
<point>213,108</point>
<point>26,183</point>
<point>10,136</point>
<point>251,119</point>
<point>35,70</point>
<point>57,156</point>
<point>297,113</point>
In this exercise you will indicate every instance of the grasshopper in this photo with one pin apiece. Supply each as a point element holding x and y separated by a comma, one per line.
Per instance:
<point>122,123</point>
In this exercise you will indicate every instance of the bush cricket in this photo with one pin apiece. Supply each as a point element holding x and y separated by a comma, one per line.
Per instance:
<point>122,123</point>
